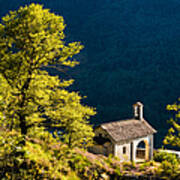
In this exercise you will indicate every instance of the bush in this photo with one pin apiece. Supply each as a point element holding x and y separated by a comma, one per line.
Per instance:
<point>127,165</point>
<point>165,156</point>
<point>168,171</point>
<point>170,165</point>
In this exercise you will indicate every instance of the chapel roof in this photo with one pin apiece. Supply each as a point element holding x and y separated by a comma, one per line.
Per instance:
<point>128,129</point>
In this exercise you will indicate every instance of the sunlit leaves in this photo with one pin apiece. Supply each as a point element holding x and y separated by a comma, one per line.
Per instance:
<point>173,136</point>
<point>32,102</point>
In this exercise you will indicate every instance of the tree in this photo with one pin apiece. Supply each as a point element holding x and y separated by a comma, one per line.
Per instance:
<point>32,101</point>
<point>173,136</point>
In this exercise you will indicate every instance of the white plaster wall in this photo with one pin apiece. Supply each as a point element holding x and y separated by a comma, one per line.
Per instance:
<point>118,148</point>
<point>151,146</point>
<point>118,151</point>
<point>149,139</point>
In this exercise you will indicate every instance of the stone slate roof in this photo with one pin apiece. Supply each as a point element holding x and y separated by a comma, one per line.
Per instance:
<point>128,129</point>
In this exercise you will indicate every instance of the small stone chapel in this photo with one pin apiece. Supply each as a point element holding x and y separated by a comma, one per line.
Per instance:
<point>130,140</point>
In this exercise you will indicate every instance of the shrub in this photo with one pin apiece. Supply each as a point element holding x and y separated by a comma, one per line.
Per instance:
<point>168,170</point>
<point>169,167</point>
<point>165,156</point>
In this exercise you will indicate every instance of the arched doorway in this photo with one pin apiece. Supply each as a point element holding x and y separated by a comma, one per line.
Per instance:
<point>142,150</point>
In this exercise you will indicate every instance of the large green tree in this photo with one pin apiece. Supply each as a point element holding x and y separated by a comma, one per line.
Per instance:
<point>173,136</point>
<point>32,101</point>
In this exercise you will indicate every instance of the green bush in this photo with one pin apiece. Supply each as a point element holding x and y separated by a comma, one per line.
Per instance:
<point>168,171</point>
<point>164,156</point>
<point>169,167</point>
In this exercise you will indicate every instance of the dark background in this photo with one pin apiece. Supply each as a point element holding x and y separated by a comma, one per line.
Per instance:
<point>132,53</point>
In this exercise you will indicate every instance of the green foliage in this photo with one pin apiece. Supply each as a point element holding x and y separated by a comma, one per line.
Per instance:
<point>110,159</point>
<point>38,159</point>
<point>32,101</point>
<point>83,167</point>
<point>162,156</point>
<point>173,136</point>
<point>128,165</point>
<point>170,165</point>
<point>30,39</point>
<point>143,166</point>
<point>168,170</point>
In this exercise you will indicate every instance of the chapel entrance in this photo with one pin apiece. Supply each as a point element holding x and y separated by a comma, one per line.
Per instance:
<point>142,151</point>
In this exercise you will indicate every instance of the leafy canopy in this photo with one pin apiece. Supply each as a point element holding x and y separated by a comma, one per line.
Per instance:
<point>32,38</point>
<point>173,136</point>
<point>32,101</point>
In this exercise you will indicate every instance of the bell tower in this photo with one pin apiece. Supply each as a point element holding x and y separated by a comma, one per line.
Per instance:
<point>138,111</point>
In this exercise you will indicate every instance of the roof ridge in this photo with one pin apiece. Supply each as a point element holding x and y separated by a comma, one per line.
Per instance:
<point>124,120</point>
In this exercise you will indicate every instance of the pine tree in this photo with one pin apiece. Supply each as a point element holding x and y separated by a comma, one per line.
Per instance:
<point>31,100</point>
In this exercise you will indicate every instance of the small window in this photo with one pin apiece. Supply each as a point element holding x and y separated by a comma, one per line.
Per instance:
<point>124,150</point>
